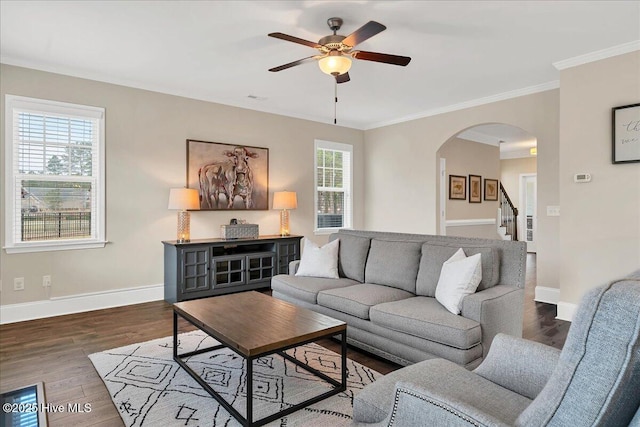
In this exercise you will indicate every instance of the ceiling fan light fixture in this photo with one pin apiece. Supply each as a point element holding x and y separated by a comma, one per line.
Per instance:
<point>335,64</point>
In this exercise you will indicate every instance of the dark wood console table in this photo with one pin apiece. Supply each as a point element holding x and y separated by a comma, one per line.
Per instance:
<point>209,267</point>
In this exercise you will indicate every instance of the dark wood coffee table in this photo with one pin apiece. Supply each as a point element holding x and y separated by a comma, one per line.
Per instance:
<point>253,324</point>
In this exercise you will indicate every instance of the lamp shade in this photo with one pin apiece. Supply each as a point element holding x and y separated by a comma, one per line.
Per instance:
<point>285,200</point>
<point>335,64</point>
<point>184,199</point>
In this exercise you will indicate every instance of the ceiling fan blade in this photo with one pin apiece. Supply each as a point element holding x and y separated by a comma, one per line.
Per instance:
<point>368,30</point>
<point>289,38</point>
<point>294,63</point>
<point>381,57</point>
<point>343,78</point>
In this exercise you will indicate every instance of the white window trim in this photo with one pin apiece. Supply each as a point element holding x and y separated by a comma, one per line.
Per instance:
<point>66,109</point>
<point>329,145</point>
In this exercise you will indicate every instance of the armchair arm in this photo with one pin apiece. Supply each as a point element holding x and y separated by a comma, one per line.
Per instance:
<point>519,365</point>
<point>417,406</point>
<point>498,309</point>
<point>293,267</point>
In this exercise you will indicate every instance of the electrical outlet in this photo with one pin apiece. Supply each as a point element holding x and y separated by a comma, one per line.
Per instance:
<point>18,284</point>
<point>46,281</point>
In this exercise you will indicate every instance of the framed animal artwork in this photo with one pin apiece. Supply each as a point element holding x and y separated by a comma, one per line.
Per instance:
<point>457,187</point>
<point>228,176</point>
<point>475,189</point>
<point>490,190</point>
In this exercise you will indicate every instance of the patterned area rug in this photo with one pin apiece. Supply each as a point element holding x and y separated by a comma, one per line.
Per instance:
<point>149,389</point>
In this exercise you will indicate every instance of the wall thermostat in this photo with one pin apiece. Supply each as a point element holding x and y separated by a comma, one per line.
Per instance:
<point>582,177</point>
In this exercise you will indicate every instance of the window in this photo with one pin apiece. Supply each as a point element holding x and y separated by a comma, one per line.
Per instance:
<point>55,175</point>
<point>333,186</point>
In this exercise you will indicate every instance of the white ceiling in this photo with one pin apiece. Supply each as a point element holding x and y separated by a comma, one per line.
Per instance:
<point>513,141</point>
<point>219,50</point>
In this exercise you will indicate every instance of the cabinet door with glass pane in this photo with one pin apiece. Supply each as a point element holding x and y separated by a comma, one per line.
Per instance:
<point>287,251</point>
<point>228,270</point>
<point>194,268</point>
<point>260,266</point>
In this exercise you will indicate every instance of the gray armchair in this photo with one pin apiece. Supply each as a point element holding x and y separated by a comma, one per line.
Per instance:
<point>594,381</point>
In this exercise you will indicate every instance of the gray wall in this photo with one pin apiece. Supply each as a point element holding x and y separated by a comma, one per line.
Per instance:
<point>402,167</point>
<point>600,220</point>
<point>146,156</point>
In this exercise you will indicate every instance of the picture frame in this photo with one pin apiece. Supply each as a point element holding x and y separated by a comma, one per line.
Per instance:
<point>490,190</point>
<point>457,187</point>
<point>625,129</point>
<point>475,189</point>
<point>228,176</point>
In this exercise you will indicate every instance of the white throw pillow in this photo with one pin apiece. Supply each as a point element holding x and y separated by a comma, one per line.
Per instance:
<point>319,261</point>
<point>459,277</point>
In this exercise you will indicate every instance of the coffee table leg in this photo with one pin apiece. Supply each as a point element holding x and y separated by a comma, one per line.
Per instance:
<point>175,335</point>
<point>344,359</point>
<point>249,416</point>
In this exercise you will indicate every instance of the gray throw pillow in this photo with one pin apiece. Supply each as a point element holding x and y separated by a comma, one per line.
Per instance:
<point>435,254</point>
<point>352,255</point>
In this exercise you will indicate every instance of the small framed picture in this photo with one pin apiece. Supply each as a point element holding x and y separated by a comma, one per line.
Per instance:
<point>457,187</point>
<point>626,134</point>
<point>475,189</point>
<point>490,190</point>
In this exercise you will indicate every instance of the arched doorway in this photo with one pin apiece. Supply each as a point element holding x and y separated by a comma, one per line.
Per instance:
<point>481,158</point>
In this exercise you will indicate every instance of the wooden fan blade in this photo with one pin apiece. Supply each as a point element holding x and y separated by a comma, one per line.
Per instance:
<point>368,30</point>
<point>381,57</point>
<point>289,38</point>
<point>343,78</point>
<point>294,63</point>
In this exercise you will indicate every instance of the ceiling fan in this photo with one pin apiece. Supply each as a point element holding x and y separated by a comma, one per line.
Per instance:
<point>336,51</point>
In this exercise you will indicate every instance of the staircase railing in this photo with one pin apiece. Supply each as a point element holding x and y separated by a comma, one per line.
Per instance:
<point>509,214</point>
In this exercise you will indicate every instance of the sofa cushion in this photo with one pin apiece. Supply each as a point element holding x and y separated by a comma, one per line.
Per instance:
<point>424,317</point>
<point>357,299</point>
<point>352,255</point>
<point>393,263</point>
<point>306,288</point>
<point>434,255</point>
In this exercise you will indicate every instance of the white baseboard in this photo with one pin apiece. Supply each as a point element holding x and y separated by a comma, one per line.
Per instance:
<point>79,303</point>
<point>547,295</point>
<point>566,311</point>
<point>468,222</point>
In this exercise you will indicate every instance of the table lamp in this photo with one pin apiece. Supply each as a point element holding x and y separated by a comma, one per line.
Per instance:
<point>183,199</point>
<point>285,200</point>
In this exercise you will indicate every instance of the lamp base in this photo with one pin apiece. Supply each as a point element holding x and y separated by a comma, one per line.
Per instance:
<point>284,223</point>
<point>184,227</point>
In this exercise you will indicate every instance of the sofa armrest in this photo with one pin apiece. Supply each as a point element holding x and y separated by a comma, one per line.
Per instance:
<point>498,310</point>
<point>519,365</point>
<point>293,267</point>
<point>416,406</point>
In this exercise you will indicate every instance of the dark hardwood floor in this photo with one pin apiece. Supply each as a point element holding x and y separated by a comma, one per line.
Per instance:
<point>55,350</point>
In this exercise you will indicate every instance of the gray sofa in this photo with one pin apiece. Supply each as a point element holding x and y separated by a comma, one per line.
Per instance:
<point>386,291</point>
<point>594,381</point>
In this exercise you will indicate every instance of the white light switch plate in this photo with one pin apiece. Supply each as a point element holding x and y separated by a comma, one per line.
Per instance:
<point>553,210</point>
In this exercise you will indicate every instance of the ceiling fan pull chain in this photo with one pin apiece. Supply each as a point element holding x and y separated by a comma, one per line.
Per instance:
<point>335,103</point>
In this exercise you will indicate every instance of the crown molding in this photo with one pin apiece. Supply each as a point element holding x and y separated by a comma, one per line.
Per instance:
<point>598,55</point>
<point>472,103</point>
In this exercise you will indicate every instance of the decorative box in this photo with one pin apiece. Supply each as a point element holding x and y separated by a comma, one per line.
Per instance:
<point>239,231</point>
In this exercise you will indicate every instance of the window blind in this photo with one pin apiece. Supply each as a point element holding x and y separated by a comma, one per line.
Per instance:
<point>56,172</point>
<point>333,186</point>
